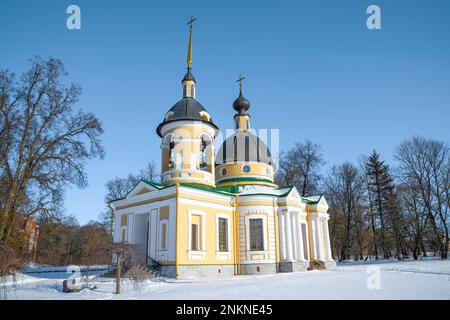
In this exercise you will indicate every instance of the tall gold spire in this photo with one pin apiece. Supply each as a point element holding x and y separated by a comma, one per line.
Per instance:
<point>189,55</point>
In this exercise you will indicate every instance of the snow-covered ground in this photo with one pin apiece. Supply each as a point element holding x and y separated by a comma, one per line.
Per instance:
<point>397,280</point>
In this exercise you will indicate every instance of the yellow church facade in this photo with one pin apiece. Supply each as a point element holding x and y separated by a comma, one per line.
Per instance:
<point>219,213</point>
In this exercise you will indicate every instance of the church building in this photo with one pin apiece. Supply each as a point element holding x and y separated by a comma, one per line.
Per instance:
<point>220,213</point>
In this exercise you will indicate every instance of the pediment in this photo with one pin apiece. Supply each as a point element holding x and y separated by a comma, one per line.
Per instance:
<point>141,188</point>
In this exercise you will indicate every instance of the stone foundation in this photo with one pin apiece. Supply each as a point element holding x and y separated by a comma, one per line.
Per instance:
<point>198,271</point>
<point>258,268</point>
<point>294,266</point>
<point>228,270</point>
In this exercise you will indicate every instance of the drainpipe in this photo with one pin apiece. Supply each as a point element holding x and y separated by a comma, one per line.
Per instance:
<point>177,185</point>
<point>237,240</point>
<point>277,233</point>
<point>111,225</point>
<point>111,228</point>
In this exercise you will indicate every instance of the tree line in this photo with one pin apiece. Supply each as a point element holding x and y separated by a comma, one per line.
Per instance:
<point>377,211</point>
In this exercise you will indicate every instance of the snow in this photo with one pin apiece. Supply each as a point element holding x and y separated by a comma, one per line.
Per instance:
<point>252,189</point>
<point>313,198</point>
<point>427,279</point>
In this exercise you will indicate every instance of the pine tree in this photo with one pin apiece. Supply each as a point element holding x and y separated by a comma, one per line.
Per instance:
<point>380,182</point>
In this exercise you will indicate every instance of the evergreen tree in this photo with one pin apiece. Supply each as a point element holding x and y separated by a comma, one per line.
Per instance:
<point>380,183</point>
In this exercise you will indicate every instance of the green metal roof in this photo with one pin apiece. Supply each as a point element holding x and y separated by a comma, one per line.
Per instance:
<point>226,190</point>
<point>205,188</point>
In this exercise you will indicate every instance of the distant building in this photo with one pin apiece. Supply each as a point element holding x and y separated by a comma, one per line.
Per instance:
<point>220,215</point>
<point>26,231</point>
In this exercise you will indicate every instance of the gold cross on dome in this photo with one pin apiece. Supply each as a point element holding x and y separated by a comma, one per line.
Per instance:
<point>240,80</point>
<point>191,22</point>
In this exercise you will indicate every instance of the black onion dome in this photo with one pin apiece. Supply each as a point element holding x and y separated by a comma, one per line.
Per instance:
<point>243,146</point>
<point>188,76</point>
<point>186,109</point>
<point>241,104</point>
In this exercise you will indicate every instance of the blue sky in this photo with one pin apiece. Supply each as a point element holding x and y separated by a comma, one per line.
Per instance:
<point>312,69</point>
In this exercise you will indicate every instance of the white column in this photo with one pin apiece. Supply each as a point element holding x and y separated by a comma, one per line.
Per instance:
<point>130,231</point>
<point>320,254</point>
<point>178,160</point>
<point>301,253</point>
<point>282,237</point>
<point>307,245</point>
<point>313,238</point>
<point>193,161</point>
<point>316,236</point>
<point>293,217</point>
<point>327,239</point>
<point>288,226</point>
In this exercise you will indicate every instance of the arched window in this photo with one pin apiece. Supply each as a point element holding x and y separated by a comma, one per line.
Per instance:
<point>171,154</point>
<point>203,155</point>
<point>205,152</point>
<point>205,116</point>
<point>168,146</point>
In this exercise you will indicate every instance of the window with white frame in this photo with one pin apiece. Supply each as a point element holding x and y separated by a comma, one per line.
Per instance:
<point>222,234</point>
<point>256,233</point>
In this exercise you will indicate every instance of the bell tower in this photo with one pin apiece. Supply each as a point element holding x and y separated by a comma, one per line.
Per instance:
<point>188,133</point>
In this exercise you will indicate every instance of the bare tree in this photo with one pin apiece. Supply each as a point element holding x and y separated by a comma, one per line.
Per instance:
<point>9,263</point>
<point>63,241</point>
<point>425,165</point>
<point>415,218</point>
<point>344,189</point>
<point>45,142</point>
<point>300,166</point>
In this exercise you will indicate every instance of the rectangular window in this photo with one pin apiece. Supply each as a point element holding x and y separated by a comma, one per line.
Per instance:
<point>124,235</point>
<point>223,236</point>
<point>164,236</point>
<point>256,235</point>
<point>194,237</point>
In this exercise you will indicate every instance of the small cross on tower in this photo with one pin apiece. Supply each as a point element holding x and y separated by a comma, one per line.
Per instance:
<point>240,81</point>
